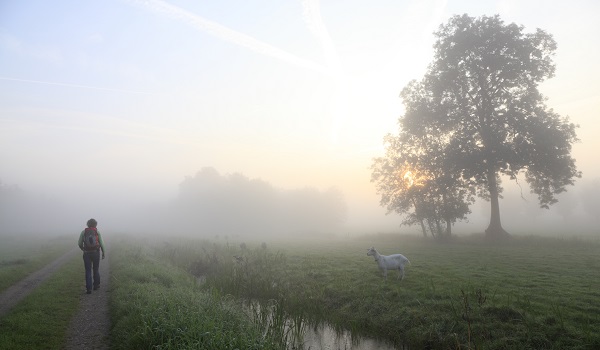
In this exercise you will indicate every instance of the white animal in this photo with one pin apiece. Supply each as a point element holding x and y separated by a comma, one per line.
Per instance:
<point>389,262</point>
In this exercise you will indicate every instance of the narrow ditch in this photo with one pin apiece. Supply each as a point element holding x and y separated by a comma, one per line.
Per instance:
<point>309,336</point>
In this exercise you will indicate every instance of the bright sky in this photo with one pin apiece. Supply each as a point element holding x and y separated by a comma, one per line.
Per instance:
<point>126,98</point>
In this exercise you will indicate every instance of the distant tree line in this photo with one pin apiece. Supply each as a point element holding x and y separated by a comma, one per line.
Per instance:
<point>208,204</point>
<point>23,212</point>
<point>236,205</point>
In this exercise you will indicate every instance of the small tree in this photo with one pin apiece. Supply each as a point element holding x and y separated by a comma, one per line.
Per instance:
<point>479,99</point>
<point>415,179</point>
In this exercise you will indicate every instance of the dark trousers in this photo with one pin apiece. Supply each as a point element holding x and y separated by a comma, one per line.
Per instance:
<point>91,261</point>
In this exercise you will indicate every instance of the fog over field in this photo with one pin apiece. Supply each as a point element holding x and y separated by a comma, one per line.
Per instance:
<point>211,204</point>
<point>254,119</point>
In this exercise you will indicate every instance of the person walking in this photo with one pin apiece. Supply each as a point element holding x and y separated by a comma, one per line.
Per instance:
<point>90,242</point>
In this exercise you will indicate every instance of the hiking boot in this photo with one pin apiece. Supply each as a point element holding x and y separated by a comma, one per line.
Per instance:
<point>89,291</point>
<point>96,287</point>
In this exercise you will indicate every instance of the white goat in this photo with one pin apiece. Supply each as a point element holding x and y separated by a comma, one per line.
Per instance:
<point>389,262</point>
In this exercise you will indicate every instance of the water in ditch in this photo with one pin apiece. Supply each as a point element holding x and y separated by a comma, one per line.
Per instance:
<point>326,338</point>
<point>301,335</point>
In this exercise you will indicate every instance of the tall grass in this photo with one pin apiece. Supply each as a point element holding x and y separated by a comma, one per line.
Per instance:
<point>155,304</point>
<point>528,293</point>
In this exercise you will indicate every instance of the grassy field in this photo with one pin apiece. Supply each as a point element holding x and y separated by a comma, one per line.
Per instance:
<point>21,256</point>
<point>40,321</point>
<point>526,293</point>
<point>177,293</point>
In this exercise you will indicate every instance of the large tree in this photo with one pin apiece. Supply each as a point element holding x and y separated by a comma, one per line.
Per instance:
<point>480,100</point>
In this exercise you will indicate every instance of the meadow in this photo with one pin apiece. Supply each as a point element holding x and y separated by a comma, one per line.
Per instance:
<point>463,294</point>
<point>188,293</point>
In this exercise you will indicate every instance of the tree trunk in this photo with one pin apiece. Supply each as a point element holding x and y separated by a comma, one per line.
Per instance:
<point>431,228</point>
<point>438,227</point>
<point>423,228</point>
<point>419,218</point>
<point>494,230</point>
<point>447,218</point>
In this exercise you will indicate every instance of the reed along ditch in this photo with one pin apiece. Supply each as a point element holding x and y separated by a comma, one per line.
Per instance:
<point>301,334</point>
<point>263,282</point>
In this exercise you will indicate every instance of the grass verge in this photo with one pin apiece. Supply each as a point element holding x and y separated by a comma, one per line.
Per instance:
<point>41,320</point>
<point>20,257</point>
<point>155,304</point>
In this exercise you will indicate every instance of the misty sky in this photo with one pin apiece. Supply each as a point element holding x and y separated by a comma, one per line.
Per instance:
<point>121,100</point>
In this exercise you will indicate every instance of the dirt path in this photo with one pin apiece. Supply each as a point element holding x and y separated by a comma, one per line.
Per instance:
<point>90,327</point>
<point>14,294</point>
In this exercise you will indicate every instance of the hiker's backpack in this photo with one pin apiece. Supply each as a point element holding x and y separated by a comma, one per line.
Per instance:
<point>90,239</point>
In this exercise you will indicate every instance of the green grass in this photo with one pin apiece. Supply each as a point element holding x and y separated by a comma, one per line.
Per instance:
<point>526,293</point>
<point>20,256</point>
<point>155,304</point>
<point>40,321</point>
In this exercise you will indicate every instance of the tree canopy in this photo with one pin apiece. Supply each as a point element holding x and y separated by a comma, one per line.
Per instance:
<point>415,179</point>
<point>477,114</point>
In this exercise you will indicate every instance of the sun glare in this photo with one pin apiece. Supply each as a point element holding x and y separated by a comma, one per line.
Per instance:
<point>409,179</point>
<point>413,178</point>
